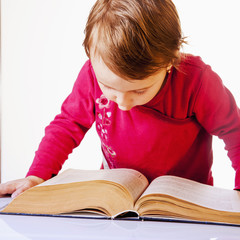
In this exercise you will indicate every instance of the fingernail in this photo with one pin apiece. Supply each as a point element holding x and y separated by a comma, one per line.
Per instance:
<point>13,195</point>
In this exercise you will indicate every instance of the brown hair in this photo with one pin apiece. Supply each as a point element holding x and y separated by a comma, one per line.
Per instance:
<point>135,38</point>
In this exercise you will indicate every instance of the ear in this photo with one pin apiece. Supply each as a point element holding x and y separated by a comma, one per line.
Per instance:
<point>169,68</point>
<point>174,62</point>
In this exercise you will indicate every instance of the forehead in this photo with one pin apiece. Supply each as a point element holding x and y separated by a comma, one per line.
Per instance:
<point>108,78</point>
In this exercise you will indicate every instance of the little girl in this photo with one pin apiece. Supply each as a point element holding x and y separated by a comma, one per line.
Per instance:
<point>155,108</point>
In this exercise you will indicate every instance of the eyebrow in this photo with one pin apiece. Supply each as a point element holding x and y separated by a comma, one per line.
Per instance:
<point>130,90</point>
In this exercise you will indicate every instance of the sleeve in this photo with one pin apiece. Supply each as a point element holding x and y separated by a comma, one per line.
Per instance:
<point>68,128</point>
<point>217,111</point>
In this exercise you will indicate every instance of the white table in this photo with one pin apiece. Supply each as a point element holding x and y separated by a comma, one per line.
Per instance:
<point>35,227</point>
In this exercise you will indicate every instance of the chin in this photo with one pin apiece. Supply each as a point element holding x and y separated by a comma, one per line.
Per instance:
<point>125,108</point>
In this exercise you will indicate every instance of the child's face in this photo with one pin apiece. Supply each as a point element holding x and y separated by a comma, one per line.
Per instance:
<point>127,94</point>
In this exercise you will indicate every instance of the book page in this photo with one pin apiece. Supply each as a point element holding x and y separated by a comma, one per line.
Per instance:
<point>132,180</point>
<point>4,201</point>
<point>197,193</point>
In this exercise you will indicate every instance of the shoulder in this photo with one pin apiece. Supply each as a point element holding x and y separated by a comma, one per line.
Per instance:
<point>192,72</point>
<point>191,64</point>
<point>196,72</point>
<point>188,73</point>
<point>86,76</point>
<point>86,69</point>
<point>86,82</point>
<point>185,83</point>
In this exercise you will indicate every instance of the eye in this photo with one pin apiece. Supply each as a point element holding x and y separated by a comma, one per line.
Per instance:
<point>139,92</point>
<point>105,87</point>
<point>108,90</point>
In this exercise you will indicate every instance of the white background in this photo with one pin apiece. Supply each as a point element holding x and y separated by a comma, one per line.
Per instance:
<point>42,54</point>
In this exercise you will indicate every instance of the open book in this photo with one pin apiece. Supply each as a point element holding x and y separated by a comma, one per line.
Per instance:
<point>125,192</point>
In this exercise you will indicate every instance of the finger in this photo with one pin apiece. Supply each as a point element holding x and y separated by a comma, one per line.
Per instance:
<point>17,192</point>
<point>21,189</point>
<point>7,188</point>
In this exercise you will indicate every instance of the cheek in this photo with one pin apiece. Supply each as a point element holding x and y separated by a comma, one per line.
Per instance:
<point>146,98</point>
<point>142,100</point>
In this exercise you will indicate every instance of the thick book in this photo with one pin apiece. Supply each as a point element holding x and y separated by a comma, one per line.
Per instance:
<point>119,193</point>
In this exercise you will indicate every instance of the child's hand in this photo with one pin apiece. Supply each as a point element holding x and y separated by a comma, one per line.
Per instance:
<point>18,186</point>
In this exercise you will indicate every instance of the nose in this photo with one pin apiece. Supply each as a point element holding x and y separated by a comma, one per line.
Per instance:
<point>123,101</point>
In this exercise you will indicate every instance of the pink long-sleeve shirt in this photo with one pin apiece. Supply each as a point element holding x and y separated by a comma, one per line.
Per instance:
<point>171,134</point>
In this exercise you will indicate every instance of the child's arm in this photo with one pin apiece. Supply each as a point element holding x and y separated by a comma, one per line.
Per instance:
<point>68,128</point>
<point>217,111</point>
<point>63,134</point>
<point>18,186</point>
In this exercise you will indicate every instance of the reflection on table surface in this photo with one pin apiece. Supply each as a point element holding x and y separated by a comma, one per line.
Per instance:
<point>36,227</point>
